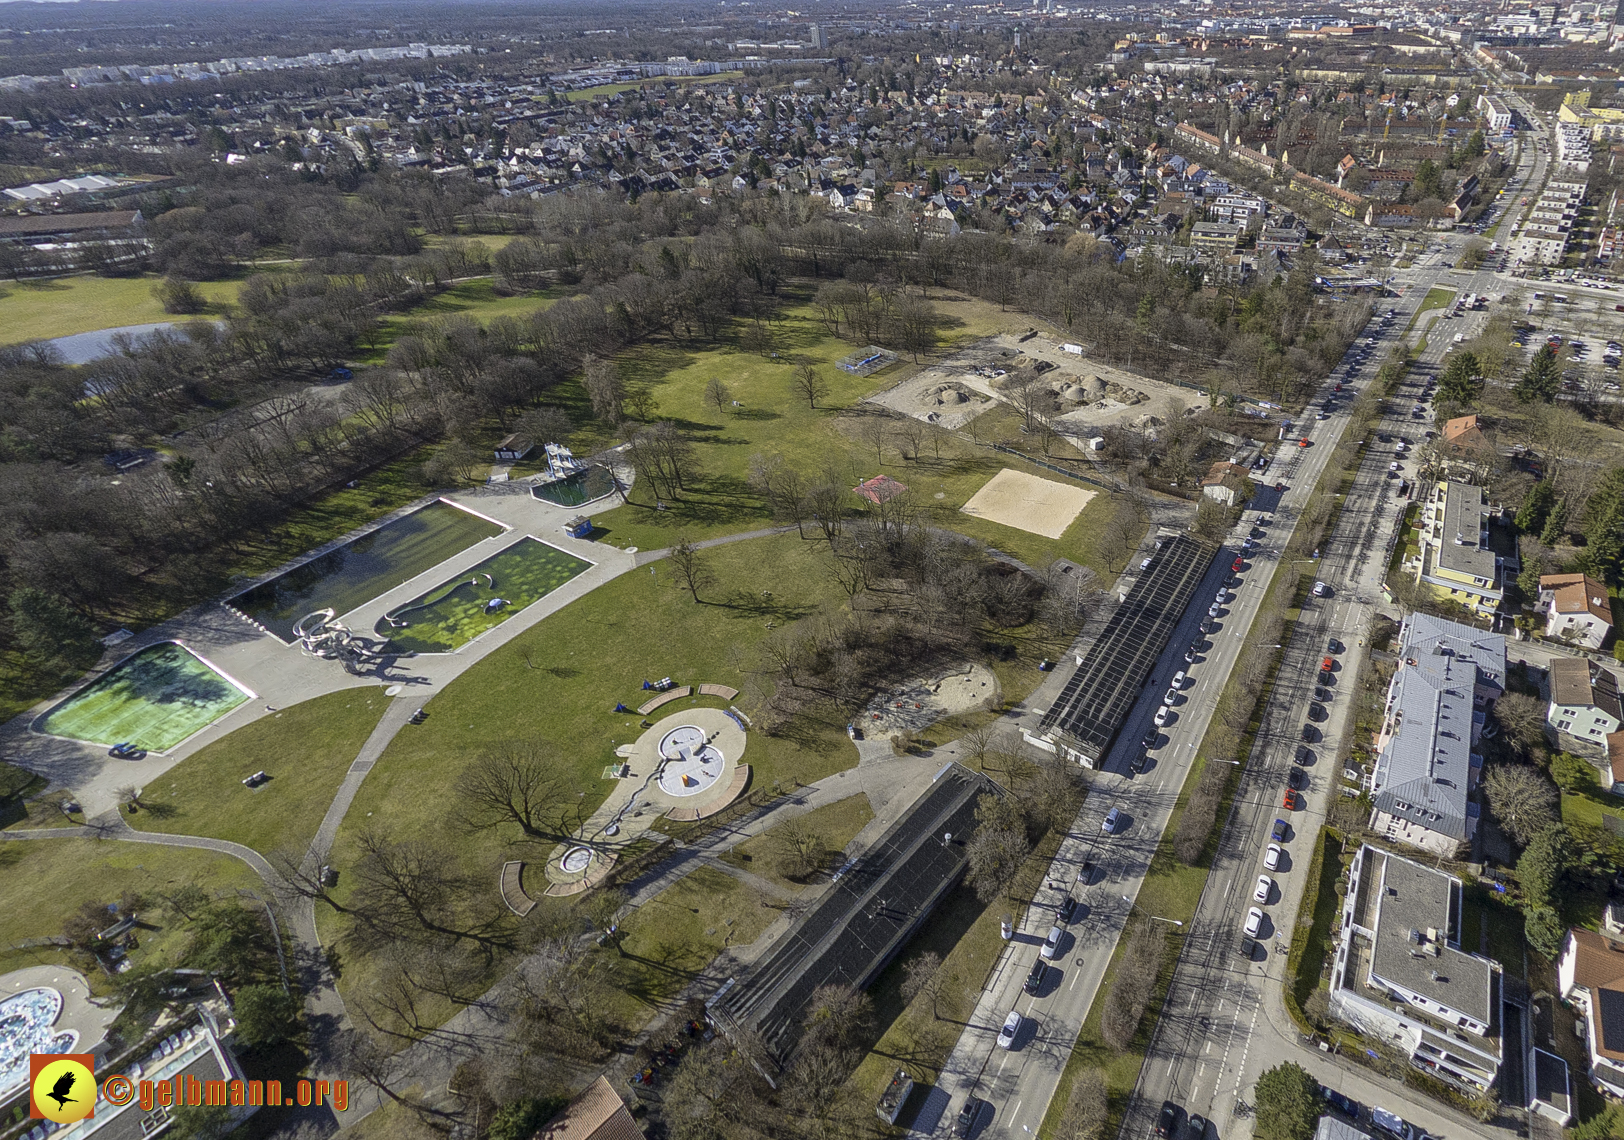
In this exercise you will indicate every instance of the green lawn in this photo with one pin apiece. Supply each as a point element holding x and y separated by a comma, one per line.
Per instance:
<point>773,421</point>
<point>605,90</point>
<point>674,935</point>
<point>836,824</point>
<point>1311,941</point>
<point>559,680</point>
<point>477,299</point>
<point>48,880</point>
<point>39,310</point>
<point>306,748</point>
<point>1591,808</point>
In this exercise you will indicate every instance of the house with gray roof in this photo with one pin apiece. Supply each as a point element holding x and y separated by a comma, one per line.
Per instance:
<point>1466,554</point>
<point>1448,678</point>
<point>1401,976</point>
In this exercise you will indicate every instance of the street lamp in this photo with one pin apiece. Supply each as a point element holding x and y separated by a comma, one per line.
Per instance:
<point>1133,906</point>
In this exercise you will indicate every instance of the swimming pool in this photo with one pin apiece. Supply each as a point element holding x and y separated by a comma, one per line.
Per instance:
<point>26,1021</point>
<point>154,699</point>
<point>363,568</point>
<point>577,488</point>
<point>480,598</point>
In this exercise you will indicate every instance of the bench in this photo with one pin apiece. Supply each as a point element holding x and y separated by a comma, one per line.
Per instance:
<point>663,699</point>
<point>513,894</point>
<point>722,691</point>
<point>735,788</point>
<point>595,874</point>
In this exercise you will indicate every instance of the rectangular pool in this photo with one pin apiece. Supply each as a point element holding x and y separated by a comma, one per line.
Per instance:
<point>153,699</point>
<point>360,570</point>
<point>480,598</point>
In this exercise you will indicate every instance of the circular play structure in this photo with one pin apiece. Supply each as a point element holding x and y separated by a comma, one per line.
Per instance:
<point>689,762</point>
<point>576,860</point>
<point>321,634</point>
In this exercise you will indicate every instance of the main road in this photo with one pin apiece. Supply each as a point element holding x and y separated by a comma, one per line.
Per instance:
<point>1224,1021</point>
<point>1221,999</point>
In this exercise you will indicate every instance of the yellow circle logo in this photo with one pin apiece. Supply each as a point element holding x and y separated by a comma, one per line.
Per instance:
<point>65,1091</point>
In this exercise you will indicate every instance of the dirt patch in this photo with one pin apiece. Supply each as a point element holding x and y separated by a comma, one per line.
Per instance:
<point>917,704</point>
<point>1029,503</point>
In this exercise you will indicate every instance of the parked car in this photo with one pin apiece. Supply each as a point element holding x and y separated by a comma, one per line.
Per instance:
<point>1162,715</point>
<point>1321,589</point>
<point>1264,885</point>
<point>1012,1026</point>
<point>1271,857</point>
<point>1168,1121</point>
<point>1278,831</point>
<point>1035,976</point>
<point>1291,801</point>
<point>1198,1126</point>
<point>1067,908</point>
<point>1254,922</point>
<point>1051,944</point>
<point>968,1112</point>
<point>1108,825</point>
<point>1346,1105</point>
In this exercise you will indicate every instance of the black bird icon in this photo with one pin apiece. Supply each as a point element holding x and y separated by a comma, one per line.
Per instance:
<point>59,1091</point>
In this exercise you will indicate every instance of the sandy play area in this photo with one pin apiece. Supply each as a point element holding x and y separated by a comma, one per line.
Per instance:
<point>1026,502</point>
<point>916,704</point>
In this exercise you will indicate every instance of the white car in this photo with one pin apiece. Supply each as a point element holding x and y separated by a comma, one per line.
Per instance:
<point>1264,884</point>
<point>1320,589</point>
<point>1254,922</point>
<point>1171,697</point>
<point>1162,714</point>
<point>1395,466</point>
<point>1109,825</point>
<point>1012,1026</point>
<point>1178,680</point>
<point>1221,597</point>
<point>1051,944</point>
<point>1271,856</point>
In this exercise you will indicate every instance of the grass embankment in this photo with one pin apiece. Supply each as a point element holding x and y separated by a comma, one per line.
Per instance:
<point>1311,940</point>
<point>45,309</point>
<point>834,824</point>
<point>306,748</point>
<point>49,880</point>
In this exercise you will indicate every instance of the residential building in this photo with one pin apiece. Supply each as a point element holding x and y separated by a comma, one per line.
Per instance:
<point>597,1114</point>
<point>1400,975</point>
<point>1496,115</point>
<point>1590,975</point>
<point>201,1058</point>
<point>1216,237</point>
<point>1576,609</point>
<point>1282,239</point>
<point>1227,483</point>
<point>1584,706</point>
<point>1465,552</point>
<point>1448,678</point>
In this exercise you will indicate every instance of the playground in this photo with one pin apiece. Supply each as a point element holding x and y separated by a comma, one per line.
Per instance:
<point>359,570</point>
<point>1029,503</point>
<point>153,699</point>
<point>915,705</point>
<point>480,598</point>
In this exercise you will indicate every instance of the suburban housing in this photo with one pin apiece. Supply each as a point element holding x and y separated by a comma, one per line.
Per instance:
<point>1584,706</point>
<point>1459,556</point>
<point>1448,678</point>
<point>1575,608</point>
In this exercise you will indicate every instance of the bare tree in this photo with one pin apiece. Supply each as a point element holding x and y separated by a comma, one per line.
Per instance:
<point>997,847</point>
<point>718,395</point>
<point>689,567</point>
<point>1523,719</point>
<point>1086,1108</point>
<point>911,434</point>
<point>875,430</point>
<point>642,402</point>
<point>546,424</point>
<point>1522,799</point>
<point>604,388</point>
<point>519,782</point>
<point>1132,988</point>
<point>808,383</point>
<point>411,891</point>
<point>923,977</point>
<point>798,852</point>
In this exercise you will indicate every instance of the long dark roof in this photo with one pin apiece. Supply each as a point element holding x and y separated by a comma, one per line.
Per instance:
<point>1104,687</point>
<point>861,921</point>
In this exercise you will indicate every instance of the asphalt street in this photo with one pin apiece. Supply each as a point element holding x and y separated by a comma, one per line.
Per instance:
<point>1223,1021</point>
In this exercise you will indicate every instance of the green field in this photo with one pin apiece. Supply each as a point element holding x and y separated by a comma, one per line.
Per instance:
<point>153,699</point>
<point>836,824</point>
<point>42,310</point>
<point>306,749</point>
<point>946,472</point>
<point>48,880</point>
<point>477,299</point>
<point>559,681</point>
<point>454,613</point>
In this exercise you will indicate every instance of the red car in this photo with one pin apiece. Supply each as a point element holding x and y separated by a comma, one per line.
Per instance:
<point>1302,443</point>
<point>1237,566</point>
<point>1339,387</point>
<point>1289,802</point>
<point>1279,486</point>
<point>1327,665</point>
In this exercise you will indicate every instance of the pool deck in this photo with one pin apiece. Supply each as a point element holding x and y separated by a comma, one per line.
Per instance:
<point>283,676</point>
